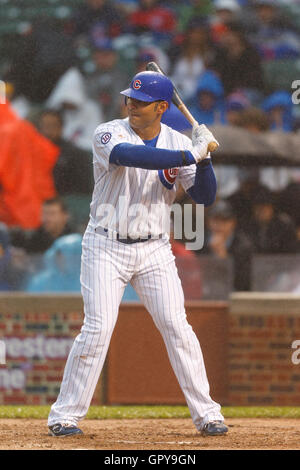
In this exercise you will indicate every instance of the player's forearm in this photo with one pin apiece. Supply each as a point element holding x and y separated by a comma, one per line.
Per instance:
<point>141,156</point>
<point>205,185</point>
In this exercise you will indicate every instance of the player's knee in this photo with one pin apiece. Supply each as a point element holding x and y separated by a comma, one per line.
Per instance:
<point>174,325</point>
<point>97,329</point>
<point>93,341</point>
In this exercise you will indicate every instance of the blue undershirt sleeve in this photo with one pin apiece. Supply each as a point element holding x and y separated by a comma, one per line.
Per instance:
<point>205,186</point>
<point>149,158</point>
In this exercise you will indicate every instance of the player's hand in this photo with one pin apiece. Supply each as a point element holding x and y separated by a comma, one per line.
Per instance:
<point>199,151</point>
<point>201,132</point>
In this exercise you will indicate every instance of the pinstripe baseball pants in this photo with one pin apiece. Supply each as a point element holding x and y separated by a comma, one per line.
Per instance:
<point>106,268</point>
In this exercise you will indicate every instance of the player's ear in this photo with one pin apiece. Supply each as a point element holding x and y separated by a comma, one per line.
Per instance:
<point>163,106</point>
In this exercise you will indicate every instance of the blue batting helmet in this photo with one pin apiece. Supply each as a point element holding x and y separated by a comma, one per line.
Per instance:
<point>150,86</point>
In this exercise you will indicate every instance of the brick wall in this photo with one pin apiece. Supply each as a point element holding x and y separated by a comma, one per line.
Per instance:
<point>262,328</point>
<point>38,332</point>
<point>138,368</point>
<point>246,346</point>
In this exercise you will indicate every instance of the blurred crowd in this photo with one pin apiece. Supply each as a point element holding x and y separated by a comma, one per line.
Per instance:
<point>233,62</point>
<point>219,53</point>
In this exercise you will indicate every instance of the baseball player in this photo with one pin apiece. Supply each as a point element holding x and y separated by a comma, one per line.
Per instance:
<point>138,162</point>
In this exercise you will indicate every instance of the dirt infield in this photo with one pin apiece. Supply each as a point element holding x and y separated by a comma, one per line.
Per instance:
<point>152,434</point>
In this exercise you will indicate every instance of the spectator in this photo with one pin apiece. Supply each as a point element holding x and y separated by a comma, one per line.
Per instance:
<point>254,120</point>
<point>105,83</point>
<point>60,270</point>
<point>193,57</point>
<point>270,232</point>
<point>73,171</point>
<point>188,10</point>
<point>61,267</point>
<point>43,56</point>
<point>236,103</point>
<point>241,199</point>
<point>143,57</point>
<point>174,118</point>
<point>288,200</point>
<point>238,64</point>
<point>153,18</point>
<point>208,107</point>
<point>97,19</point>
<point>279,108</point>
<point>151,53</point>
<point>19,103</point>
<point>226,11</point>
<point>228,176</point>
<point>225,240</point>
<point>26,164</point>
<point>177,241</point>
<point>81,115</point>
<point>55,224</point>
<point>275,37</point>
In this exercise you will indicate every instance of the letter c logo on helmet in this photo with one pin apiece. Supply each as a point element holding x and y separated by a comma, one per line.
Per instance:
<point>150,86</point>
<point>137,84</point>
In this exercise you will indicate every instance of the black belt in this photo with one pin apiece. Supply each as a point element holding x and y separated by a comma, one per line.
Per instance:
<point>121,239</point>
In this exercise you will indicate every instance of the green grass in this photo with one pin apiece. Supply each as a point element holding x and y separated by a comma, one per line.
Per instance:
<point>261,411</point>
<point>156,412</point>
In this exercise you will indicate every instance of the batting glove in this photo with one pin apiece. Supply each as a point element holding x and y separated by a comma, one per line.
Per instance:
<point>199,151</point>
<point>201,131</point>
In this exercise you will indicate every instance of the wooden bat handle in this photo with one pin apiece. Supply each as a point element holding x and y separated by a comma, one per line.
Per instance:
<point>212,146</point>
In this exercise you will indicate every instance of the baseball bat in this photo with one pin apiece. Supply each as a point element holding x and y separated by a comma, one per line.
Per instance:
<point>154,67</point>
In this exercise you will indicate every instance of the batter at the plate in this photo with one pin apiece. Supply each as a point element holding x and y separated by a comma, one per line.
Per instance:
<point>138,160</point>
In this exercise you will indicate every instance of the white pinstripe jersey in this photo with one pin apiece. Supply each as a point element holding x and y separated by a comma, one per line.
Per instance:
<point>122,188</point>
